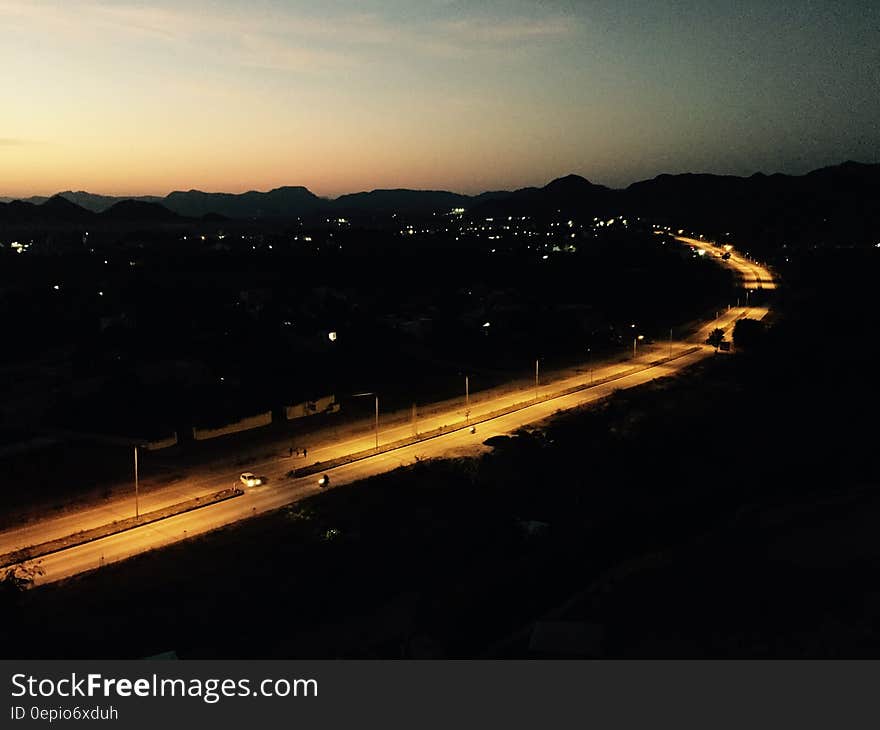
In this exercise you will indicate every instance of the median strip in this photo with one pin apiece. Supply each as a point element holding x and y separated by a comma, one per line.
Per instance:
<point>319,466</point>
<point>113,528</point>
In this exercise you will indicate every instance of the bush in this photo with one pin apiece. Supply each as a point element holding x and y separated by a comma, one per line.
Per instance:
<point>748,333</point>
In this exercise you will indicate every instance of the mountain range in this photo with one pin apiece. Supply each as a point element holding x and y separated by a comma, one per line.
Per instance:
<point>832,199</point>
<point>285,202</point>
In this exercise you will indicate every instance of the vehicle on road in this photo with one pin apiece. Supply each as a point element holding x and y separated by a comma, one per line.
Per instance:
<point>250,480</point>
<point>324,481</point>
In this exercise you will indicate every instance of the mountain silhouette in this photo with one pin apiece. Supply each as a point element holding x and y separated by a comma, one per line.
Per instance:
<point>831,205</point>
<point>100,203</point>
<point>400,201</point>
<point>284,202</point>
<point>60,209</point>
<point>572,195</point>
<point>18,212</point>
<point>836,203</point>
<point>139,211</point>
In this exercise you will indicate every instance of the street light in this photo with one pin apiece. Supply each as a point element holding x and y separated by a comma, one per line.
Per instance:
<point>537,371</point>
<point>590,357</point>
<point>137,506</point>
<point>136,496</point>
<point>467,399</point>
<point>376,396</point>
<point>635,343</point>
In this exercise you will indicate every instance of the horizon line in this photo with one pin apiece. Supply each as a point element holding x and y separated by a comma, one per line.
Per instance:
<point>25,198</point>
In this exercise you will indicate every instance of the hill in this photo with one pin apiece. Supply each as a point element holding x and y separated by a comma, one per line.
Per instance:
<point>400,201</point>
<point>139,211</point>
<point>284,202</point>
<point>570,195</point>
<point>100,203</point>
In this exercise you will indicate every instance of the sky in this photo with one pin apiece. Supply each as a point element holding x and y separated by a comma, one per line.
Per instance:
<point>229,95</point>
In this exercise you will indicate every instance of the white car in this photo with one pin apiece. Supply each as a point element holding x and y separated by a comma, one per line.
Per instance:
<point>250,480</point>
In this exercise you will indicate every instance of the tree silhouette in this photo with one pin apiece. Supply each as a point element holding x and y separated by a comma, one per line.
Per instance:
<point>715,338</point>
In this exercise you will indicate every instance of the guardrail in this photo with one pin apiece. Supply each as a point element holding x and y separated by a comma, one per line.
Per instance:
<point>320,466</point>
<point>113,528</point>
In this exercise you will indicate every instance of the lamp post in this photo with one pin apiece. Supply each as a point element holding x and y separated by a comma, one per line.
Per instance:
<point>137,509</point>
<point>670,342</point>
<point>467,399</point>
<point>376,396</point>
<point>590,357</point>
<point>537,371</point>
<point>635,344</point>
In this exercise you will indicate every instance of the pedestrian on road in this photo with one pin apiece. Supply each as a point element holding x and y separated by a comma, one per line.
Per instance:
<point>290,451</point>
<point>305,452</point>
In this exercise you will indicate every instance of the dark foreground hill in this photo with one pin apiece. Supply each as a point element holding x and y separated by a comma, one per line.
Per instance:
<point>59,211</point>
<point>140,211</point>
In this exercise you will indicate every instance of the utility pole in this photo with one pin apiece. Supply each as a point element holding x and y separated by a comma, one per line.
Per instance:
<point>536,377</point>
<point>414,427</point>
<point>136,490</point>
<point>376,396</point>
<point>670,342</point>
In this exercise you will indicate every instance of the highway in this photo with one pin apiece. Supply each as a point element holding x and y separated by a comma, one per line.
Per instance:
<point>279,490</point>
<point>752,275</point>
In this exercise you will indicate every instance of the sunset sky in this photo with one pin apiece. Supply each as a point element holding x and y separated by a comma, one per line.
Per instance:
<point>340,96</point>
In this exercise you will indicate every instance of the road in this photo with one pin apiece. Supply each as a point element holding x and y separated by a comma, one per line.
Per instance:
<point>752,275</point>
<point>279,490</point>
